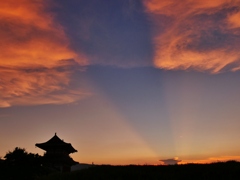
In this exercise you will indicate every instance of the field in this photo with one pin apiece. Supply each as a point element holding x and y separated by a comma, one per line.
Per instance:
<point>220,170</point>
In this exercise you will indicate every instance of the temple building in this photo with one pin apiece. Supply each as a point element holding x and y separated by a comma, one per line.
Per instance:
<point>57,153</point>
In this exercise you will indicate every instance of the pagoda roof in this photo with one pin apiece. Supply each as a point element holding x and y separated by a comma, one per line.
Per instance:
<point>56,143</point>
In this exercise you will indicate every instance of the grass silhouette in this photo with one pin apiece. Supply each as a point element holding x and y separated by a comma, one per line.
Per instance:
<point>220,170</point>
<point>20,164</point>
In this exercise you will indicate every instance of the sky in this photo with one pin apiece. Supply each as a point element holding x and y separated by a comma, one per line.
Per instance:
<point>123,81</point>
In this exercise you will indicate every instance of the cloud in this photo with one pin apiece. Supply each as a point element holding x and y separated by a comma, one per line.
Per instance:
<point>29,35</point>
<point>37,85</point>
<point>201,35</point>
<point>35,59</point>
<point>212,159</point>
<point>170,161</point>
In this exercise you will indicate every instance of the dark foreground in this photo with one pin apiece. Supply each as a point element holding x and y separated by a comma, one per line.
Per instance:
<point>227,170</point>
<point>221,170</point>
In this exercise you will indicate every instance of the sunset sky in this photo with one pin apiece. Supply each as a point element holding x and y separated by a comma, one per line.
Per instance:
<point>123,81</point>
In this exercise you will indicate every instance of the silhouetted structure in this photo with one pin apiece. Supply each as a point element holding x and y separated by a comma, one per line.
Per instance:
<point>57,153</point>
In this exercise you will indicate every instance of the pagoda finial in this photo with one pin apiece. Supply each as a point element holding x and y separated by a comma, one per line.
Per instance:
<point>55,133</point>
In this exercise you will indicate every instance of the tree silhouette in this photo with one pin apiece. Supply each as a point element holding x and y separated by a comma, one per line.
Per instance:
<point>19,156</point>
<point>16,156</point>
<point>24,165</point>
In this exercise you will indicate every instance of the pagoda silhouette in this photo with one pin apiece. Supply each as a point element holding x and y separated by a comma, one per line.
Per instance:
<point>57,154</point>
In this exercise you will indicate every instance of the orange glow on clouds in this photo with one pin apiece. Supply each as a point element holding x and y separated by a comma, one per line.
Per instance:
<point>211,160</point>
<point>29,35</point>
<point>201,35</point>
<point>32,86</point>
<point>32,48</point>
<point>234,20</point>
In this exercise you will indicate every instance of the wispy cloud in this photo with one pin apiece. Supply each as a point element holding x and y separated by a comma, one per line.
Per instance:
<point>34,85</point>
<point>29,35</point>
<point>35,56</point>
<point>202,35</point>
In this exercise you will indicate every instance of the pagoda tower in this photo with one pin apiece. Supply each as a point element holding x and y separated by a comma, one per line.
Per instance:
<point>57,153</point>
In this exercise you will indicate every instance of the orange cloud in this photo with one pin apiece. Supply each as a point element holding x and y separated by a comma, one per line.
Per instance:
<point>29,35</point>
<point>37,85</point>
<point>202,35</point>
<point>33,47</point>
<point>234,20</point>
<point>212,159</point>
